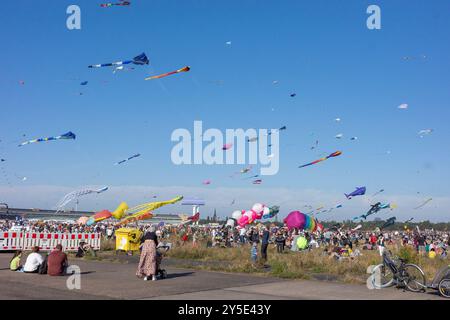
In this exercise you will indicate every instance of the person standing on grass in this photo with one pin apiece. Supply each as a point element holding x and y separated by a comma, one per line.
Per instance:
<point>254,252</point>
<point>264,243</point>
<point>280,241</point>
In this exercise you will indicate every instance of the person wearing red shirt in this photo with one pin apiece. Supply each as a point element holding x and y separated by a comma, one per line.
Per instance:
<point>57,262</point>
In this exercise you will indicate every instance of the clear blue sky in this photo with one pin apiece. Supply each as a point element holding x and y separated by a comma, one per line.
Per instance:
<point>321,50</point>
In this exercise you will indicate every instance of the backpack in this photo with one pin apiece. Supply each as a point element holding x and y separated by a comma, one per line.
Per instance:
<point>43,267</point>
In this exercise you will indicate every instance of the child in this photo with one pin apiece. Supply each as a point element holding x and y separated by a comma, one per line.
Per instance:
<point>15,261</point>
<point>254,252</point>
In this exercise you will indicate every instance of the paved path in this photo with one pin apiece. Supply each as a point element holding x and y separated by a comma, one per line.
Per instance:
<point>107,280</point>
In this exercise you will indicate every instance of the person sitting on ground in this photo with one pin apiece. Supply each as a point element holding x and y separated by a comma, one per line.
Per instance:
<point>33,262</point>
<point>57,262</point>
<point>14,264</point>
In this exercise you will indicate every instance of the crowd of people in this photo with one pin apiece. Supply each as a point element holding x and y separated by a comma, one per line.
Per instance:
<point>335,242</point>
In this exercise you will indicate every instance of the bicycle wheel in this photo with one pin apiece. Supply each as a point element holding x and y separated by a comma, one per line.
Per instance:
<point>414,278</point>
<point>444,288</point>
<point>383,277</point>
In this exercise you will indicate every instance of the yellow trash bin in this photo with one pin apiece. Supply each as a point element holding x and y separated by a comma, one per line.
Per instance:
<point>128,239</point>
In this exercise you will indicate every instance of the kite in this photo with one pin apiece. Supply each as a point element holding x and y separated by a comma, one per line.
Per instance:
<point>227,146</point>
<point>135,217</point>
<point>122,68</point>
<point>354,138</point>
<point>206,182</point>
<point>22,82</point>
<point>339,136</point>
<point>403,106</point>
<point>358,192</point>
<point>228,43</point>
<point>99,216</point>
<point>252,139</point>
<point>275,82</point>
<point>337,119</point>
<point>259,181</point>
<point>317,144</point>
<point>121,3</point>
<point>255,176</point>
<point>389,222</point>
<point>75,195</point>
<point>84,83</point>
<point>407,221</point>
<point>2,160</point>
<point>138,60</point>
<point>301,221</point>
<point>377,193</point>
<point>186,219</point>
<point>185,69</point>
<point>271,212</point>
<point>142,211</point>
<point>67,136</point>
<point>334,154</point>
<point>293,95</point>
<point>244,218</point>
<point>425,132</point>
<point>245,170</point>
<point>128,159</point>
<point>423,204</point>
<point>278,130</point>
<point>338,206</point>
<point>376,208</point>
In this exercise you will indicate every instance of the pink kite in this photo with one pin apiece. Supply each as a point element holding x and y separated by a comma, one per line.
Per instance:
<point>227,146</point>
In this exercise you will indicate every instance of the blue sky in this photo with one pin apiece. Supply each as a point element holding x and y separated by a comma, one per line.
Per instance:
<point>321,50</point>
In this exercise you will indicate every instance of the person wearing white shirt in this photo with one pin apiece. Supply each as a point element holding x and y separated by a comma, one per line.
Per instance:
<point>34,261</point>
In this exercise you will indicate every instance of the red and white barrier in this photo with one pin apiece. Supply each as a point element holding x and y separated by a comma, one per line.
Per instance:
<point>47,241</point>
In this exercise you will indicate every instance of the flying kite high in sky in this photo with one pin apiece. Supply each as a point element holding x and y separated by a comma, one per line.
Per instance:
<point>425,132</point>
<point>423,204</point>
<point>227,146</point>
<point>334,154</point>
<point>128,159</point>
<point>185,69</point>
<point>403,106</point>
<point>377,193</point>
<point>278,130</point>
<point>66,136</point>
<point>138,60</point>
<point>75,195</point>
<point>122,3</point>
<point>358,192</point>
<point>259,181</point>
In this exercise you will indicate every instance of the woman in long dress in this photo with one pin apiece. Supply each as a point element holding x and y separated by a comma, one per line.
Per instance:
<point>148,264</point>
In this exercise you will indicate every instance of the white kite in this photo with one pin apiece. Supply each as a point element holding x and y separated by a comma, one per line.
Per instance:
<point>75,195</point>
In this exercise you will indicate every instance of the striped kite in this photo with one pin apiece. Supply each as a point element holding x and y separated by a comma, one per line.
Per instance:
<point>66,136</point>
<point>121,3</point>
<point>128,159</point>
<point>138,60</point>
<point>334,154</point>
<point>185,69</point>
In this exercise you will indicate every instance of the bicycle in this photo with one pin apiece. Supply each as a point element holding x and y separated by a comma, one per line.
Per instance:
<point>399,272</point>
